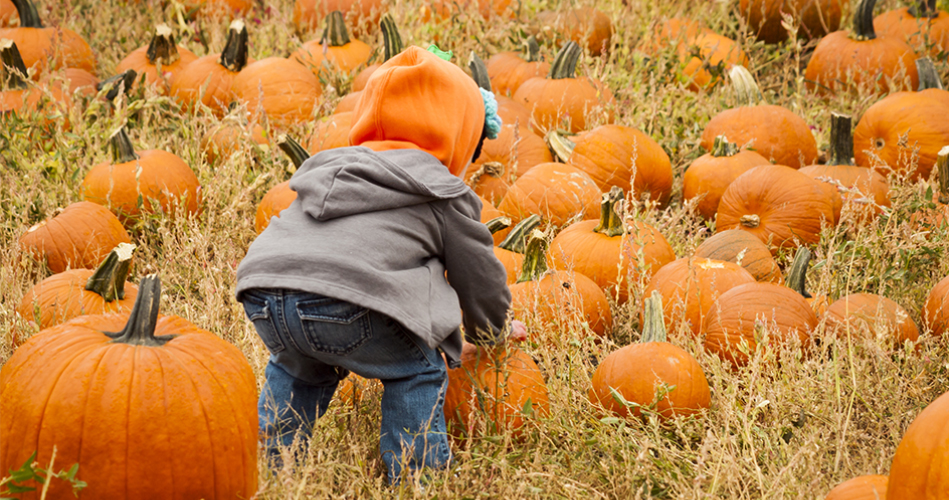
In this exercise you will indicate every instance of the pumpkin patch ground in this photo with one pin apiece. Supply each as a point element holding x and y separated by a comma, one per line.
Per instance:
<point>802,401</point>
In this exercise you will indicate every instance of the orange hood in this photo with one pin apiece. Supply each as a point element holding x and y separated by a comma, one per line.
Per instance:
<point>418,101</point>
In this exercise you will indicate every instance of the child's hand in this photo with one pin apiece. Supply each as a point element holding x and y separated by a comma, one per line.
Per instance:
<point>518,331</point>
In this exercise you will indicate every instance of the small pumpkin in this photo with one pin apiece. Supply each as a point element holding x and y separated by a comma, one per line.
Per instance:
<point>39,44</point>
<point>813,18</point>
<point>710,174</point>
<point>923,26</point>
<point>80,80</point>
<point>334,51</point>
<point>487,181</point>
<point>348,103</point>
<point>555,191</point>
<point>589,27</point>
<point>353,389</point>
<point>867,314</point>
<point>651,373</point>
<point>744,249</point>
<point>216,8</point>
<point>78,237</point>
<point>936,309</point>
<point>158,62</point>
<point>23,99</point>
<point>281,89</point>
<point>229,136</point>
<point>280,196</point>
<point>331,132</point>
<point>209,79</point>
<point>860,488</point>
<point>920,463</point>
<point>508,70</point>
<point>8,14</point>
<point>308,15</point>
<point>517,149</point>
<point>391,45</point>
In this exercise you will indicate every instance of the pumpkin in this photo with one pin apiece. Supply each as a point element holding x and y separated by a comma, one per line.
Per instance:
<point>559,301</point>
<point>391,45</point>
<point>744,249</point>
<point>348,103</point>
<point>212,8</point>
<point>364,14</point>
<point>860,488</point>
<point>715,55</point>
<point>689,287</point>
<point>80,80</point>
<point>514,113</point>
<point>498,387</point>
<point>920,463</point>
<point>904,131</point>
<point>863,190</point>
<point>936,309</point>
<point>444,10</point>
<point>814,18</point>
<point>517,149</point>
<point>76,292</point>
<point>867,314</point>
<point>797,281</point>
<point>209,79</point>
<point>508,70</point>
<point>710,174</point>
<point>47,48</point>
<point>651,373</point>
<point>334,51</point>
<point>736,325</point>
<point>143,182</point>
<point>589,27</point>
<point>561,95</point>
<point>779,205</point>
<point>23,99</point>
<point>158,62</point>
<point>353,389</point>
<point>614,254</point>
<point>8,14</point>
<point>282,89</point>
<point>487,181</point>
<point>331,132</point>
<point>280,196</point>
<point>166,393</point>
<point>774,132</point>
<point>78,237</point>
<point>922,26</point>
<point>851,61</point>
<point>510,251</point>
<point>555,191</point>
<point>936,214</point>
<point>230,136</point>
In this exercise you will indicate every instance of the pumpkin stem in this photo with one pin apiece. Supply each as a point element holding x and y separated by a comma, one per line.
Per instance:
<point>162,48</point>
<point>797,273</point>
<point>293,149</point>
<point>491,169</point>
<point>391,39</point>
<point>531,49</point>
<point>559,145</point>
<point>722,148</point>
<point>234,55</point>
<point>479,72</point>
<point>120,82</point>
<point>29,17</point>
<point>841,140</point>
<point>654,326</point>
<point>14,71</point>
<point>335,34</point>
<point>744,86</point>
<point>863,21</point>
<point>942,166</point>
<point>122,149</point>
<point>611,210</point>
<point>535,257</point>
<point>516,240</point>
<point>565,64</point>
<point>924,8</point>
<point>140,329</point>
<point>750,221</point>
<point>928,76</point>
<point>498,224</point>
<point>109,279</point>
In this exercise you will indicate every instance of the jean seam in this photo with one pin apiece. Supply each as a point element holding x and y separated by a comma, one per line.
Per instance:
<point>283,321</point>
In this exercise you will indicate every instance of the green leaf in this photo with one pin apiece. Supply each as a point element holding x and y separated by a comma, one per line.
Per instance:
<point>528,408</point>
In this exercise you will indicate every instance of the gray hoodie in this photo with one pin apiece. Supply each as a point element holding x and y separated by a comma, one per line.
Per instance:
<point>380,230</point>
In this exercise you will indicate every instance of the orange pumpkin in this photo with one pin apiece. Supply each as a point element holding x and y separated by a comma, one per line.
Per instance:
<point>860,488</point>
<point>280,196</point>
<point>209,79</point>
<point>514,113</point>
<point>744,249</point>
<point>348,103</point>
<point>516,148</point>
<point>922,26</point>
<point>41,102</point>
<point>230,136</point>
<point>391,45</point>
<point>158,62</point>
<point>867,314</point>
<point>78,237</point>
<point>80,80</point>
<point>213,8</point>
<point>710,174</point>
<point>508,70</point>
<point>331,132</point>
<point>8,14</point>
<point>281,89</point>
<point>47,48</point>
<point>715,54</point>
<point>363,14</point>
<point>651,373</point>
<point>555,191</point>
<point>487,181</point>
<point>920,463</point>
<point>936,309</point>
<point>353,389</point>
<point>814,18</point>
<point>590,28</point>
<point>334,51</point>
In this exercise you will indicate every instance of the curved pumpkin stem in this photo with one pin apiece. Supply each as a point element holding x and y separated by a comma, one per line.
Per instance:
<point>535,257</point>
<point>611,209</point>
<point>863,21</point>
<point>297,153</point>
<point>498,224</point>
<point>162,49</point>
<point>335,34</point>
<point>491,169</point>
<point>122,149</point>
<point>797,273</point>
<point>234,55</point>
<point>744,86</point>
<point>722,148</point>
<point>942,166</point>
<point>654,326</point>
<point>29,17</point>
<point>391,39</point>
<point>479,72</point>
<point>531,49</point>
<point>565,64</point>
<point>14,70</point>
<point>559,145</point>
<point>924,8</point>
<point>140,329</point>
<point>516,240</point>
<point>120,82</point>
<point>109,279</point>
<point>928,76</point>
<point>841,139</point>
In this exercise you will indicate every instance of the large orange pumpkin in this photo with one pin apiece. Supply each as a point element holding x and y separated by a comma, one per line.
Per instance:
<point>508,70</point>
<point>280,196</point>
<point>281,89</point>
<point>555,191</point>
<point>922,26</point>
<point>592,29</point>
<point>331,132</point>
<point>516,148</point>
<point>44,48</point>
<point>814,18</point>
<point>860,488</point>
<point>159,61</point>
<point>936,309</point>
<point>710,174</point>
<point>921,461</point>
<point>871,315</point>
<point>488,181</point>
<point>744,249</point>
<point>363,14</point>
<point>141,411</point>
<point>334,51</point>
<point>78,237</point>
<point>209,79</point>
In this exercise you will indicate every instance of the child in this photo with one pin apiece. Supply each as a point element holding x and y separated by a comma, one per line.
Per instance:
<point>352,276</point>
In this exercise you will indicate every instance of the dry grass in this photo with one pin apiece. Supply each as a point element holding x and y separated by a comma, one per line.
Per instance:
<point>792,429</point>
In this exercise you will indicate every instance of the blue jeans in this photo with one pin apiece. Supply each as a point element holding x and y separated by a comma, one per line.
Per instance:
<point>315,341</point>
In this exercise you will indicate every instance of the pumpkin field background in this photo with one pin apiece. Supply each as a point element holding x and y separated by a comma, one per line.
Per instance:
<point>788,429</point>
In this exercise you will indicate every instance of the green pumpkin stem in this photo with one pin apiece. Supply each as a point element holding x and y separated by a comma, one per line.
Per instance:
<point>841,140</point>
<point>942,167</point>
<point>140,329</point>
<point>531,49</point>
<point>535,257</point>
<point>565,64</point>
<point>797,274</point>
<point>611,213</point>
<point>13,70</point>
<point>391,39</point>
<point>928,76</point>
<point>162,49</point>
<point>924,9</point>
<point>121,82</point>
<point>654,325</point>
<point>722,148</point>
<point>479,72</point>
<point>234,55</point>
<point>863,21</point>
<point>516,240</point>
<point>335,34</point>
<point>297,153</point>
<point>744,86</point>
<point>559,145</point>
<point>498,224</point>
<point>29,16</point>
<point>109,278</point>
<point>122,149</point>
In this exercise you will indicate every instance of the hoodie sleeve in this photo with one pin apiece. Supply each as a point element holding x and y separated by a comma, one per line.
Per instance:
<point>475,272</point>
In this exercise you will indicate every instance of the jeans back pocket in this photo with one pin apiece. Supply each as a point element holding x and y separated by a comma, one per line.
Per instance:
<point>334,326</point>
<point>258,311</point>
